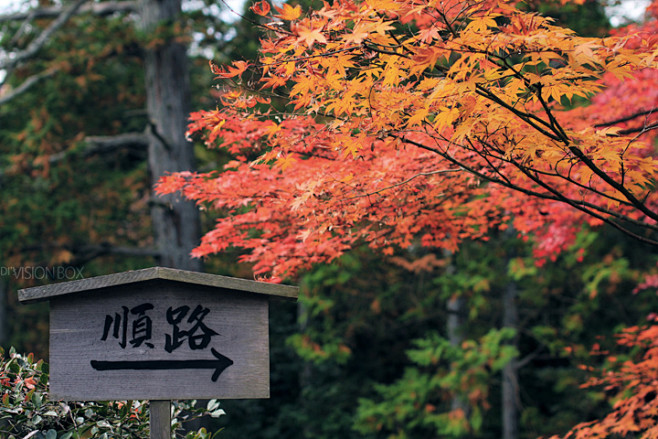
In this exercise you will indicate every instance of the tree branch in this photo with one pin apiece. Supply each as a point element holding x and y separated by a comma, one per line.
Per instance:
<point>642,129</point>
<point>611,182</point>
<point>100,9</point>
<point>402,183</point>
<point>85,253</point>
<point>43,38</point>
<point>105,144</point>
<point>582,207</point>
<point>100,145</point>
<point>528,118</point>
<point>552,194</point>
<point>25,86</point>
<point>153,129</point>
<point>535,175</point>
<point>109,249</point>
<point>626,119</point>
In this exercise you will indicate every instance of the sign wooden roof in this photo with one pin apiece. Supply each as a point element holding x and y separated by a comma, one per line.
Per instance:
<point>46,292</point>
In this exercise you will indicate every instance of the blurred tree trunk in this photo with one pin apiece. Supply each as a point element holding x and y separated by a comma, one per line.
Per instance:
<point>455,309</point>
<point>510,393</point>
<point>305,371</point>
<point>4,336</point>
<point>175,222</point>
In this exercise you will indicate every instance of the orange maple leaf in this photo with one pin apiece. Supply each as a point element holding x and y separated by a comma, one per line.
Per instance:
<point>429,34</point>
<point>288,12</point>
<point>261,8</point>
<point>310,36</point>
<point>239,67</point>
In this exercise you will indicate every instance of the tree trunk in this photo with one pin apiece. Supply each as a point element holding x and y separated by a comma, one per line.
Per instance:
<point>175,222</point>
<point>510,396</point>
<point>305,372</point>
<point>455,309</point>
<point>4,335</point>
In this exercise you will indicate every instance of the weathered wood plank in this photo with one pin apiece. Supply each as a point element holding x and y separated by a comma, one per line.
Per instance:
<point>159,340</point>
<point>48,292</point>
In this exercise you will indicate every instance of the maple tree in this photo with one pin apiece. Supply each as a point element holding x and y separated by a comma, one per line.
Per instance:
<point>394,122</point>
<point>404,123</point>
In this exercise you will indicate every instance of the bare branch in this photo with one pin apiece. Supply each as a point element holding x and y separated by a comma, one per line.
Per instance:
<point>105,144</point>
<point>153,128</point>
<point>43,38</point>
<point>100,145</point>
<point>87,252</point>
<point>100,9</point>
<point>25,86</point>
<point>109,249</point>
<point>25,25</point>
<point>103,248</point>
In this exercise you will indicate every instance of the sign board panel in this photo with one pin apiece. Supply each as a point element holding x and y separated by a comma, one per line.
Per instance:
<point>158,338</point>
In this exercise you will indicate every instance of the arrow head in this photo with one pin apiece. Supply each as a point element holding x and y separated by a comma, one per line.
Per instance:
<point>221,364</point>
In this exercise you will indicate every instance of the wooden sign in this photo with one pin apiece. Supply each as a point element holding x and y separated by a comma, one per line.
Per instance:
<point>158,334</point>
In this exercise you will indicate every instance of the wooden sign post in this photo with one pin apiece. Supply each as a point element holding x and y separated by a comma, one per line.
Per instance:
<point>159,334</point>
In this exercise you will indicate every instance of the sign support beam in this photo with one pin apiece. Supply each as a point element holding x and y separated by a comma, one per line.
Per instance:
<point>160,419</point>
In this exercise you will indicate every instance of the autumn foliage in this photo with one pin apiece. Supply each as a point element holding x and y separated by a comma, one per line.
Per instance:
<point>632,385</point>
<point>392,122</point>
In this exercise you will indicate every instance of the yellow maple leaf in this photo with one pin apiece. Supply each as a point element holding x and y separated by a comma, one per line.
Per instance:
<point>285,161</point>
<point>445,117</point>
<point>482,24</point>
<point>418,117</point>
<point>288,12</point>
<point>358,34</point>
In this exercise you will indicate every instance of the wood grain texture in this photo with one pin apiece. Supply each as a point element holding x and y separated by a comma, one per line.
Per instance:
<point>160,419</point>
<point>47,292</point>
<point>78,324</point>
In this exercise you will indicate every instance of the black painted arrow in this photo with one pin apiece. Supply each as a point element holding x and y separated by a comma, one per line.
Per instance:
<point>220,363</point>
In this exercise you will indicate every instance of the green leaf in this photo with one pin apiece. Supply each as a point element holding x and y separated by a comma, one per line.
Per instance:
<point>37,399</point>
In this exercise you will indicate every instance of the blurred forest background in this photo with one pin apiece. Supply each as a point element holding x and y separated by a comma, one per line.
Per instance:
<point>377,346</point>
